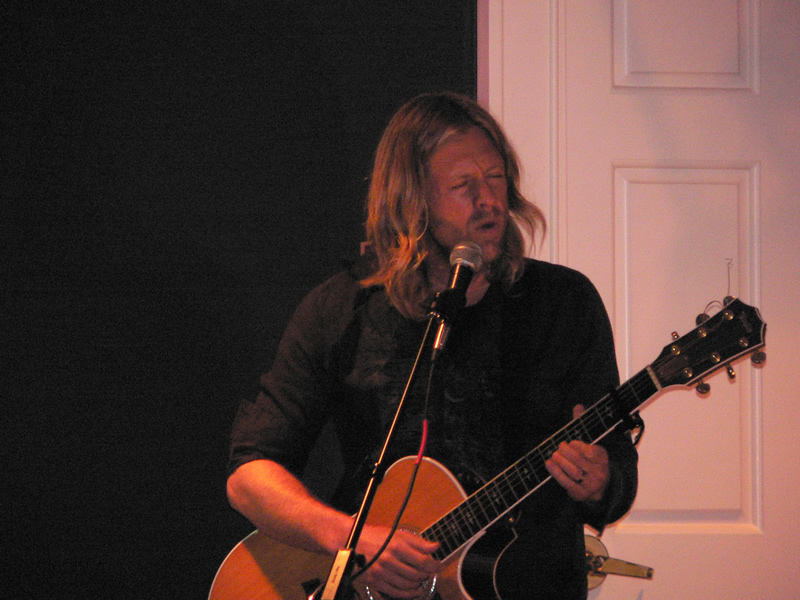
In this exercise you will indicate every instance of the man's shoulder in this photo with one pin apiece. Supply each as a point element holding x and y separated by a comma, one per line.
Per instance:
<point>338,288</point>
<point>342,291</point>
<point>541,274</point>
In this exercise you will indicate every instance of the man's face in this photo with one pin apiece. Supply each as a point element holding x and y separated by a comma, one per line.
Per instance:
<point>469,195</point>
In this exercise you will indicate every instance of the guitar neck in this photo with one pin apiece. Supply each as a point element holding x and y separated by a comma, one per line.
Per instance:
<point>491,502</point>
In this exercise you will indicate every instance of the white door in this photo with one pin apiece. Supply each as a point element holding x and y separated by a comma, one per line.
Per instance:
<point>662,138</point>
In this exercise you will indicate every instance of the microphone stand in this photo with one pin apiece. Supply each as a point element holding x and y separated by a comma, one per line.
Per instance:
<point>337,586</point>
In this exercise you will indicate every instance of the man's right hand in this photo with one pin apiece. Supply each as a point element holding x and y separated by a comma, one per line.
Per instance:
<point>402,568</point>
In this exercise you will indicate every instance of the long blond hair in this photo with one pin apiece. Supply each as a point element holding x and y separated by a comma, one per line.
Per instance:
<point>397,207</point>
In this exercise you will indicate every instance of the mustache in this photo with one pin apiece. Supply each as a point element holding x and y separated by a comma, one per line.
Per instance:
<point>486,214</point>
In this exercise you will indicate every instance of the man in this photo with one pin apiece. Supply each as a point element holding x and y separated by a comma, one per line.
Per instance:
<point>532,345</point>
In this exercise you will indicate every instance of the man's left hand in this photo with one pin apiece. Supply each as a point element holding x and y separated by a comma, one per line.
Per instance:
<point>581,468</point>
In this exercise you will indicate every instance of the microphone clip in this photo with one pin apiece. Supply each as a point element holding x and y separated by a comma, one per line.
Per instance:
<point>443,310</point>
<point>447,303</point>
<point>465,259</point>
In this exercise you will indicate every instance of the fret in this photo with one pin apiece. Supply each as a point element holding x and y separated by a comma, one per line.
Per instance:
<point>592,426</point>
<point>546,449</point>
<point>489,509</point>
<point>441,554</point>
<point>434,532</point>
<point>506,483</point>
<point>562,435</point>
<point>599,413</point>
<point>642,387</point>
<point>468,518</point>
<point>535,472</point>
<point>598,423</point>
<point>477,510</point>
<point>450,539</point>
<point>609,411</point>
<point>495,496</point>
<point>587,436</point>
<point>445,549</point>
<point>520,480</point>
<point>531,470</point>
<point>430,535</point>
<point>459,531</point>
<point>653,377</point>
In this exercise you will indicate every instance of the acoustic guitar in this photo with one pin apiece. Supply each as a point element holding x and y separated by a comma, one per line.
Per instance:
<point>439,510</point>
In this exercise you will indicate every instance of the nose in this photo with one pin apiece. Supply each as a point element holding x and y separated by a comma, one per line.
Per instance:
<point>486,195</point>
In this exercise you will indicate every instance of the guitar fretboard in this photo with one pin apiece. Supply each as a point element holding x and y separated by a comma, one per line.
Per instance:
<point>518,481</point>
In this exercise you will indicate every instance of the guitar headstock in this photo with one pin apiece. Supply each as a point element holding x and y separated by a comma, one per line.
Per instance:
<point>735,331</point>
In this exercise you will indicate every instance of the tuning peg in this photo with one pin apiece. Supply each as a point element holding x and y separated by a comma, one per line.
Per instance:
<point>701,318</point>
<point>703,388</point>
<point>758,358</point>
<point>731,372</point>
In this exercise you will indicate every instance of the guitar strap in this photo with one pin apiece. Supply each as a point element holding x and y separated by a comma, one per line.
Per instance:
<point>630,421</point>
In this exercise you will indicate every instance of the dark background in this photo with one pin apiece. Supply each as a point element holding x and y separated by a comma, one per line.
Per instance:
<point>175,176</point>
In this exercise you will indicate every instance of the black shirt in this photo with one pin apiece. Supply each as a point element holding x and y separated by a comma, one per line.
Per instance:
<point>515,365</point>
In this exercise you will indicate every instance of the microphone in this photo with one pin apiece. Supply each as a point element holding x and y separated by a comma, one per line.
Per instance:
<point>465,259</point>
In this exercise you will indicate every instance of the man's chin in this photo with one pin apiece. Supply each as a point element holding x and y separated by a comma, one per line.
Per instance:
<point>490,251</point>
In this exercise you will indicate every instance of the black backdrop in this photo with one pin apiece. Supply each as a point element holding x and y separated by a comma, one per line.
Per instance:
<point>175,176</point>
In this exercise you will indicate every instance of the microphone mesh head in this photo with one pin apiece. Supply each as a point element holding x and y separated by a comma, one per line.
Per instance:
<point>467,253</point>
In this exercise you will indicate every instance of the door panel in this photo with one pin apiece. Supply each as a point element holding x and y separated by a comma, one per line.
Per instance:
<point>660,138</point>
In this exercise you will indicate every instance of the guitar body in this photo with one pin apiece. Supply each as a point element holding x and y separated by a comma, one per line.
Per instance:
<point>260,568</point>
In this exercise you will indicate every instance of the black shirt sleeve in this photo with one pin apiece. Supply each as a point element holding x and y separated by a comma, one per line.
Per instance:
<point>294,397</point>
